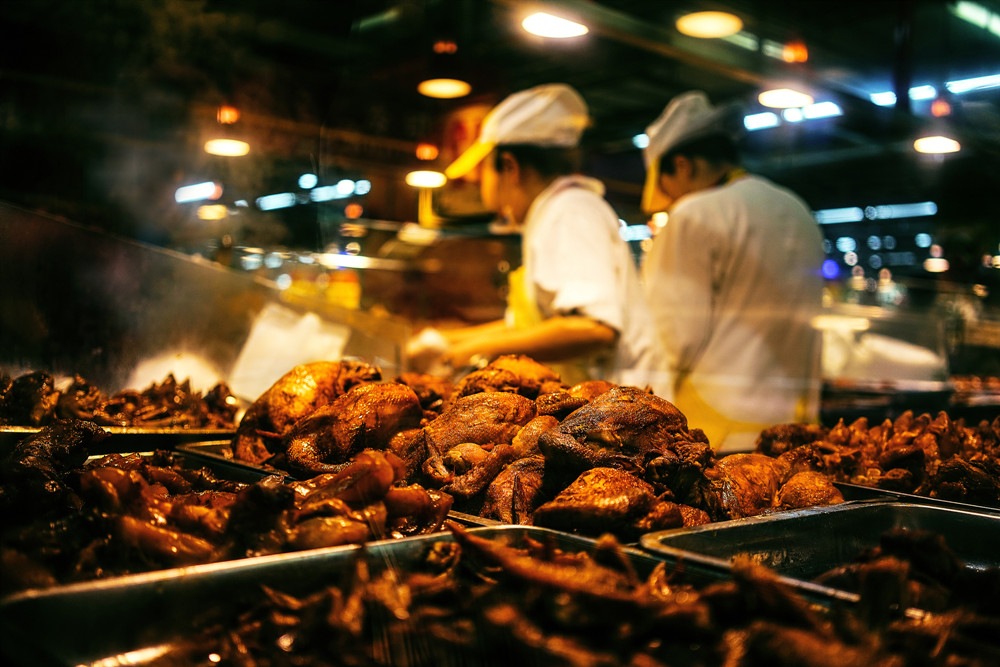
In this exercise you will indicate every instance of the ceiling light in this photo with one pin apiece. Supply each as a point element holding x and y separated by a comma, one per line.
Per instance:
<point>784,98</point>
<point>795,52</point>
<point>444,89</point>
<point>426,179</point>
<point>707,25</point>
<point>547,25</point>
<point>227,147</point>
<point>936,145</point>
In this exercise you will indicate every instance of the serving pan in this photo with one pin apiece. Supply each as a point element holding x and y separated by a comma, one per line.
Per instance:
<point>125,438</point>
<point>131,619</point>
<point>803,544</point>
<point>861,492</point>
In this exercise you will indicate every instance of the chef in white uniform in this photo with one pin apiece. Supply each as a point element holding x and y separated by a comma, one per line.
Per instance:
<point>732,281</point>
<point>576,302</point>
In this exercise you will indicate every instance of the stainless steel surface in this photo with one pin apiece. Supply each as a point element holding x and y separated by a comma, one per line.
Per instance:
<point>90,303</point>
<point>124,438</point>
<point>859,492</point>
<point>802,544</point>
<point>100,622</point>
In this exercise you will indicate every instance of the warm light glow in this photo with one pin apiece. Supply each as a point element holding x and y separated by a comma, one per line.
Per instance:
<point>426,151</point>
<point>940,108</point>
<point>784,98</point>
<point>444,89</point>
<point>227,115</point>
<point>795,52</point>
<point>212,212</point>
<point>936,265</point>
<point>936,145</point>
<point>353,211</point>
<point>659,220</point>
<point>227,147</point>
<point>445,46</point>
<point>547,25</point>
<point>707,25</point>
<point>426,179</point>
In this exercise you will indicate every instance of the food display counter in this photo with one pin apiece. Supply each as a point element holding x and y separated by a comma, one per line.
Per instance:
<point>440,519</point>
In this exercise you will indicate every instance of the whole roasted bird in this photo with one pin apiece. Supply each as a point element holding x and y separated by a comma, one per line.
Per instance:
<point>294,396</point>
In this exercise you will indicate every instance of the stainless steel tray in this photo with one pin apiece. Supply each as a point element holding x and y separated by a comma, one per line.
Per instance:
<point>803,544</point>
<point>222,451</point>
<point>125,438</point>
<point>859,492</point>
<point>124,621</point>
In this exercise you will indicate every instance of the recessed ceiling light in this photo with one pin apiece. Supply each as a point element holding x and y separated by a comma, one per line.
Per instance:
<point>444,89</point>
<point>556,27</point>
<point>784,98</point>
<point>936,145</point>
<point>426,179</point>
<point>227,147</point>
<point>707,25</point>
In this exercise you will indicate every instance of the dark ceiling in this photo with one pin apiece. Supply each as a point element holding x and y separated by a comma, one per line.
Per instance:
<point>105,98</point>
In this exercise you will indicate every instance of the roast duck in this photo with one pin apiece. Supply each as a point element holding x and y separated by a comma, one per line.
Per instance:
<point>511,442</point>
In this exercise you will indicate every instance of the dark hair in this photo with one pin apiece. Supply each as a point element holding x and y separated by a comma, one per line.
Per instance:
<point>714,148</point>
<point>548,161</point>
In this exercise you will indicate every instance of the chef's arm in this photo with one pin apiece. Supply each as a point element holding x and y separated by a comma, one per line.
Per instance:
<point>554,339</point>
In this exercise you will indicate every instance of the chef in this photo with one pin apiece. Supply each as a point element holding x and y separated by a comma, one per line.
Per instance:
<point>575,303</point>
<point>732,280</point>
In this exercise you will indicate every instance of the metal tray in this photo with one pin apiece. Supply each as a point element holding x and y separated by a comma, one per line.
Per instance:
<point>803,544</point>
<point>222,469</point>
<point>860,492</point>
<point>222,451</point>
<point>125,620</point>
<point>125,438</point>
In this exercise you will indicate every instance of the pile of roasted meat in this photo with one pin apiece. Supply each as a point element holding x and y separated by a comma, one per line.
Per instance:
<point>511,442</point>
<point>929,456</point>
<point>33,400</point>
<point>477,601</point>
<point>67,517</point>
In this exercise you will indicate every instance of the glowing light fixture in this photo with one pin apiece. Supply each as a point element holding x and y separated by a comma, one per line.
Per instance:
<point>784,98</point>
<point>936,265</point>
<point>227,147</point>
<point>308,181</point>
<point>709,25</point>
<point>212,212</point>
<point>227,114</point>
<point>426,151</point>
<point>425,179</point>
<point>760,121</point>
<point>936,145</point>
<point>555,27</point>
<point>640,140</point>
<point>444,88</point>
<point>198,192</point>
<point>795,52</point>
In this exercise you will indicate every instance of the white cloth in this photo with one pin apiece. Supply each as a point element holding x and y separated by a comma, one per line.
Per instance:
<point>733,282</point>
<point>575,260</point>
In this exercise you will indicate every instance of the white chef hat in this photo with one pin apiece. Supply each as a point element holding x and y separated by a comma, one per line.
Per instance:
<point>687,117</point>
<point>547,115</point>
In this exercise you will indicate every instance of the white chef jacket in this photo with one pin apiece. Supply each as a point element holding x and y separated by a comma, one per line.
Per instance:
<point>574,261</point>
<point>733,282</point>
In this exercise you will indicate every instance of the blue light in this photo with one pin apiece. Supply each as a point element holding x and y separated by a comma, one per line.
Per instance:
<point>640,141</point>
<point>308,181</point>
<point>761,121</point>
<point>273,202</point>
<point>831,270</point>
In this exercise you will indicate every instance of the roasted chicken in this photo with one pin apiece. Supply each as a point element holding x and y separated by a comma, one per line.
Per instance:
<point>294,396</point>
